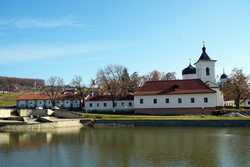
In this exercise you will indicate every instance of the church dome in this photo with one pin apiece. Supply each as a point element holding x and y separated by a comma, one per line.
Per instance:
<point>189,70</point>
<point>223,76</point>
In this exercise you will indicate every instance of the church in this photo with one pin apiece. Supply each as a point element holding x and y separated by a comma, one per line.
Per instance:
<point>196,93</point>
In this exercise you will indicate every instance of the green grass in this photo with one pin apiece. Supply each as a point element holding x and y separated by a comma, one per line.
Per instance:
<point>8,99</point>
<point>148,117</point>
<point>242,109</point>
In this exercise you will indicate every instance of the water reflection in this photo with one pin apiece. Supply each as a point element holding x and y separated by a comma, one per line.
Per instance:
<point>128,147</point>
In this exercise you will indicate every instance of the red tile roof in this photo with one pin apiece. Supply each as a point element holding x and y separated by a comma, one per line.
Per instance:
<point>108,98</point>
<point>42,96</point>
<point>171,87</point>
<point>39,96</point>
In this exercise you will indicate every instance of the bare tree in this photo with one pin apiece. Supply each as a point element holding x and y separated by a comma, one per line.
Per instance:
<point>109,80</point>
<point>3,85</point>
<point>236,87</point>
<point>135,82</point>
<point>155,75</point>
<point>125,81</point>
<point>168,76</point>
<point>54,88</point>
<point>82,91</point>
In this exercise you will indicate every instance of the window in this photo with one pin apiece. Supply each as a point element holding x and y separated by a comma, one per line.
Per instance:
<point>130,104</point>
<point>155,101</point>
<point>90,104</point>
<point>192,100</point>
<point>115,104</point>
<point>248,102</point>
<point>122,103</point>
<point>207,71</point>
<point>179,100</point>
<point>141,101</point>
<point>105,104</point>
<point>97,104</point>
<point>205,99</point>
<point>167,100</point>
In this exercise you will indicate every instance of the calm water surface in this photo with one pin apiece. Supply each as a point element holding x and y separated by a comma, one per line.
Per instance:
<point>127,147</point>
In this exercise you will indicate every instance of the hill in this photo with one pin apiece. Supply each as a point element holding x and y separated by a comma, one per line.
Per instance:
<point>13,84</point>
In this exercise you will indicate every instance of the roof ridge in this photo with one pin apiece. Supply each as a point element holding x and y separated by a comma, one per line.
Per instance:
<point>173,80</point>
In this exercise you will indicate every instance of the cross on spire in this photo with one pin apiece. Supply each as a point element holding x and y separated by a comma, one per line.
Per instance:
<point>203,42</point>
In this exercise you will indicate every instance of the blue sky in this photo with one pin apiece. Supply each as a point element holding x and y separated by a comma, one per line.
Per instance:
<point>42,38</point>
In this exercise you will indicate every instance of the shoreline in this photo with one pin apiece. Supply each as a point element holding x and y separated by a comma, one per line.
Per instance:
<point>172,123</point>
<point>123,123</point>
<point>114,120</point>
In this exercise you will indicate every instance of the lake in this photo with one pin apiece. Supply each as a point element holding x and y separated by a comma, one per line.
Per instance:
<point>127,147</point>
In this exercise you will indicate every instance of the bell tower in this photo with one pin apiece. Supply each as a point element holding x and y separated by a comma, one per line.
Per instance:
<point>205,67</point>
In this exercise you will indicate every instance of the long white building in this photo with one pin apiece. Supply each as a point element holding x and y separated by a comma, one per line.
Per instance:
<point>104,103</point>
<point>42,100</point>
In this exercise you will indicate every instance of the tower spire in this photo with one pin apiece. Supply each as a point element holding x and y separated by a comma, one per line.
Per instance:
<point>204,47</point>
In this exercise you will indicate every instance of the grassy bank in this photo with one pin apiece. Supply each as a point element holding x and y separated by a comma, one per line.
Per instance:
<point>148,117</point>
<point>8,99</point>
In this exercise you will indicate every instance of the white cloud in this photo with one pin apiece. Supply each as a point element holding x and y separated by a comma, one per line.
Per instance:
<point>25,23</point>
<point>40,51</point>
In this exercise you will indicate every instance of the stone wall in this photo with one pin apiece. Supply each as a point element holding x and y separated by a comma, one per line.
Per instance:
<point>42,126</point>
<point>6,112</point>
<point>174,111</point>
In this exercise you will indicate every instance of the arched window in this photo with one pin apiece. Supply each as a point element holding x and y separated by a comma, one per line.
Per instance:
<point>207,71</point>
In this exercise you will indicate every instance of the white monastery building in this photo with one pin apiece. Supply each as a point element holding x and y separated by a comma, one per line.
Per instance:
<point>196,93</point>
<point>41,100</point>
<point>105,103</point>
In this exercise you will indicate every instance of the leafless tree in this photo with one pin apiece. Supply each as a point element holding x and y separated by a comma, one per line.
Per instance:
<point>54,88</point>
<point>109,80</point>
<point>3,85</point>
<point>236,87</point>
<point>155,75</point>
<point>82,90</point>
<point>168,76</point>
<point>135,81</point>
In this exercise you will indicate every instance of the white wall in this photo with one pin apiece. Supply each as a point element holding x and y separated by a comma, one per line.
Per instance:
<point>6,112</point>
<point>201,70</point>
<point>219,97</point>
<point>109,105</point>
<point>47,103</point>
<point>75,103</point>
<point>21,104</point>
<point>247,103</point>
<point>40,103</point>
<point>59,103</point>
<point>67,103</point>
<point>189,76</point>
<point>173,101</point>
<point>229,103</point>
<point>31,103</point>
